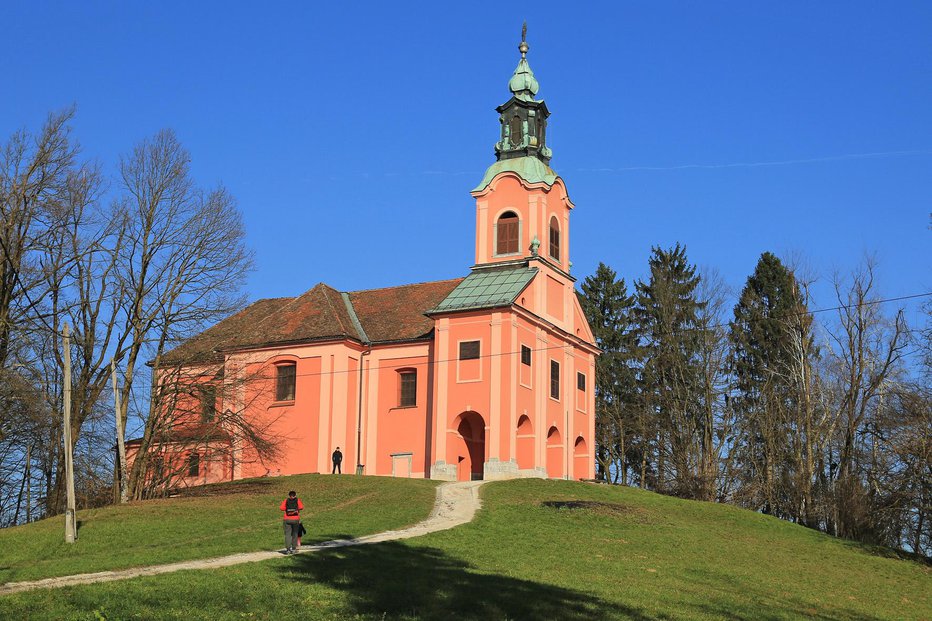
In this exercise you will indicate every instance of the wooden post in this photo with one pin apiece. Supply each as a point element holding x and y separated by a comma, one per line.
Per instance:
<point>120,433</point>
<point>70,525</point>
<point>28,482</point>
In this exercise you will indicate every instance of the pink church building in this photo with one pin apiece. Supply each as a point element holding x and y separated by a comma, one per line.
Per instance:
<point>488,376</point>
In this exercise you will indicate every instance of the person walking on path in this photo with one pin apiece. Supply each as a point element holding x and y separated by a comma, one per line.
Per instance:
<point>337,462</point>
<point>292,506</point>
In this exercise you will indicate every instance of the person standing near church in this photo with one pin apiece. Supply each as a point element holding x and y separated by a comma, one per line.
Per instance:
<point>337,462</point>
<point>292,506</point>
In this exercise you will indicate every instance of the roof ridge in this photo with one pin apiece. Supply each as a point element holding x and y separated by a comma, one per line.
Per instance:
<point>293,301</point>
<point>354,317</point>
<point>334,310</point>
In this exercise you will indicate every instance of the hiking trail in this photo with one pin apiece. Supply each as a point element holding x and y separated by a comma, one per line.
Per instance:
<point>456,504</point>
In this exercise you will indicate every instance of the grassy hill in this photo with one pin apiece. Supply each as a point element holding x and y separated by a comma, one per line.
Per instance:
<point>537,550</point>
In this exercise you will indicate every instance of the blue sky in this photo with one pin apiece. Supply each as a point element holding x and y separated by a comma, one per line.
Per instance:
<point>351,133</point>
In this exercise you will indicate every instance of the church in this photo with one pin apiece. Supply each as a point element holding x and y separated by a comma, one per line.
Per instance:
<point>487,376</point>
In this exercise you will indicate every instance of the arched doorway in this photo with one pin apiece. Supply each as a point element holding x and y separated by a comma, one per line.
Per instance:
<point>554,454</point>
<point>580,459</point>
<point>469,455</point>
<point>525,444</point>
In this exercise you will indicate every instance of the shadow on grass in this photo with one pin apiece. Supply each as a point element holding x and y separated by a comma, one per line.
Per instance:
<point>885,552</point>
<point>252,486</point>
<point>762,604</point>
<point>391,579</point>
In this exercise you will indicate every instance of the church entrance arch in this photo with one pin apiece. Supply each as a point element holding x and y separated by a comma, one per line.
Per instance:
<point>469,447</point>
<point>580,459</point>
<point>554,454</point>
<point>525,444</point>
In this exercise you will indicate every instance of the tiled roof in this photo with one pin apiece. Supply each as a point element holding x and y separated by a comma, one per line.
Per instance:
<point>201,348</point>
<point>389,314</point>
<point>487,288</point>
<point>397,313</point>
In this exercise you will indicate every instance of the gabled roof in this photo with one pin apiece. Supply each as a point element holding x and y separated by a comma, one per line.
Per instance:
<point>487,288</point>
<point>322,313</point>
<point>397,313</point>
<point>201,347</point>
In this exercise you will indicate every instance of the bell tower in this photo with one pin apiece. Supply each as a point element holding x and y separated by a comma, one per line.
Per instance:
<point>523,119</point>
<point>522,208</point>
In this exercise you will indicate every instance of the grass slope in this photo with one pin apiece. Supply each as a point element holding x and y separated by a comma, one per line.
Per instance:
<point>540,550</point>
<point>209,521</point>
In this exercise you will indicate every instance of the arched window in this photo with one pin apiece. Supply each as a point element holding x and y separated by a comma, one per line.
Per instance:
<point>506,233</point>
<point>516,129</point>
<point>554,238</point>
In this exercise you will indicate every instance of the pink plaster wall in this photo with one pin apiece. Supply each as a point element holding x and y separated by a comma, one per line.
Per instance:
<point>466,411</point>
<point>535,205</point>
<point>401,429</point>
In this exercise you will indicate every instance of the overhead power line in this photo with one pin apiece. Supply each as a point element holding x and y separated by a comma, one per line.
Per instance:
<point>695,329</point>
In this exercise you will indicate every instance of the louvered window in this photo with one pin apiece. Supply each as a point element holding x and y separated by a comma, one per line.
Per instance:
<point>506,234</point>
<point>516,129</point>
<point>554,239</point>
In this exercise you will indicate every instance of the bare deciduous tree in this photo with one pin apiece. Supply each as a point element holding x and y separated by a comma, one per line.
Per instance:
<point>181,265</point>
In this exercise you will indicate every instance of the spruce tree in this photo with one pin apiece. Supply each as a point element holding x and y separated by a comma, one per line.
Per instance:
<point>668,315</point>
<point>607,306</point>
<point>769,331</point>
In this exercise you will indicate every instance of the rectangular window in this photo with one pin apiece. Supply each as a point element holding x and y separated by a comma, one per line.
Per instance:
<point>284,382</point>
<point>208,403</point>
<point>525,355</point>
<point>554,379</point>
<point>194,464</point>
<point>581,381</point>
<point>469,350</point>
<point>408,396</point>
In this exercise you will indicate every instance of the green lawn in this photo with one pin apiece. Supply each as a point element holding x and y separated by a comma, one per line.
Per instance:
<point>213,520</point>
<point>540,550</point>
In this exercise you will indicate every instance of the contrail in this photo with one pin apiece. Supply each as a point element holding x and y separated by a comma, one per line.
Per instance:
<point>811,160</point>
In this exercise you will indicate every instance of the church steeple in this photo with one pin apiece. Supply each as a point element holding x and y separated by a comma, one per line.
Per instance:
<point>523,118</point>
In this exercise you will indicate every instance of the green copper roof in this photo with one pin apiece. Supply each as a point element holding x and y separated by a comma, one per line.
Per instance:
<point>529,168</point>
<point>487,289</point>
<point>523,84</point>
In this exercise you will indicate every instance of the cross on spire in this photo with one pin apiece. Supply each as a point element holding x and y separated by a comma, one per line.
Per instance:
<point>523,46</point>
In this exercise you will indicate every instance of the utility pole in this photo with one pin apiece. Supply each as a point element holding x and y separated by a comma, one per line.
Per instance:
<point>120,431</point>
<point>71,531</point>
<point>28,483</point>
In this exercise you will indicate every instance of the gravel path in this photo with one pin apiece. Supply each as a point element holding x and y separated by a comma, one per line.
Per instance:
<point>456,504</point>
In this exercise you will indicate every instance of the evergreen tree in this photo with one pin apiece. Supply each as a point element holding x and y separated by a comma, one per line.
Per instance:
<point>668,314</point>
<point>607,306</point>
<point>771,350</point>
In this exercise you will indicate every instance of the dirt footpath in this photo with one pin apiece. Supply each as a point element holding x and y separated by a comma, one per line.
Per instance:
<point>456,504</point>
